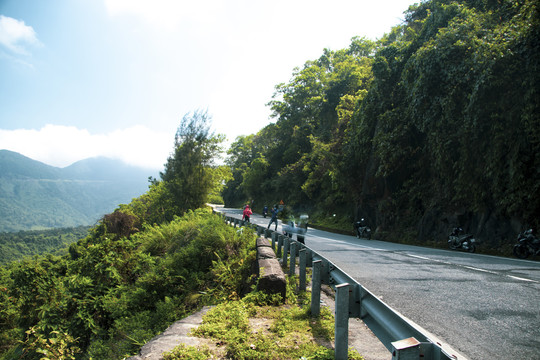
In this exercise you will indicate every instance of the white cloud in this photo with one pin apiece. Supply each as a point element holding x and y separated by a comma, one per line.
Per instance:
<point>229,55</point>
<point>63,145</point>
<point>166,14</point>
<point>15,35</point>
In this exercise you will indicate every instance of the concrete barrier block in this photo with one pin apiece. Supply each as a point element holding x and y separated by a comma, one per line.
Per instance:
<point>264,252</point>
<point>271,277</point>
<point>262,241</point>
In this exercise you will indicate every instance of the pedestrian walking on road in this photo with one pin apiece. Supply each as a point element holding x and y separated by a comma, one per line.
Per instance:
<point>274,212</point>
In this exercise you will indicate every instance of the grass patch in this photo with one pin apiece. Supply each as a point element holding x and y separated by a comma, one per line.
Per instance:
<point>249,329</point>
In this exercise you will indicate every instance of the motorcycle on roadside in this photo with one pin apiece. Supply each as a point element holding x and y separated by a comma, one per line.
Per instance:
<point>459,240</point>
<point>265,211</point>
<point>362,230</point>
<point>527,244</point>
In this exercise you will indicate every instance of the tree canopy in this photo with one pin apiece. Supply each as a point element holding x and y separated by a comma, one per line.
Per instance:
<point>190,172</point>
<point>437,119</point>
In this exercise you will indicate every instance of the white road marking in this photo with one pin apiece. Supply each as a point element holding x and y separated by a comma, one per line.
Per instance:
<point>344,242</point>
<point>473,268</point>
<point>420,257</point>
<point>482,270</point>
<point>424,258</point>
<point>522,279</point>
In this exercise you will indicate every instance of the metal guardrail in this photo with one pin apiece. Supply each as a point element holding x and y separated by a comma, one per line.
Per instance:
<point>401,337</point>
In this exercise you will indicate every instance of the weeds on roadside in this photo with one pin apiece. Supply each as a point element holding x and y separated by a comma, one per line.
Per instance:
<point>183,352</point>
<point>260,327</point>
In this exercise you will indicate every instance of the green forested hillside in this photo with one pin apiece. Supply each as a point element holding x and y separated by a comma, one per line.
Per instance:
<point>433,126</point>
<point>18,245</point>
<point>38,196</point>
<point>141,267</point>
<point>15,165</point>
<point>113,292</point>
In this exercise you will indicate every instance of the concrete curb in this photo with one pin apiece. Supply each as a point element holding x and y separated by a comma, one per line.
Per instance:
<point>175,335</point>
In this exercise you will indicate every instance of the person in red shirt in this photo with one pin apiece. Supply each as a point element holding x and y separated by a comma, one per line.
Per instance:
<point>247,213</point>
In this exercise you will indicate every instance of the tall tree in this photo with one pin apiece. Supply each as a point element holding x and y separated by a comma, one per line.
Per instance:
<point>313,111</point>
<point>189,174</point>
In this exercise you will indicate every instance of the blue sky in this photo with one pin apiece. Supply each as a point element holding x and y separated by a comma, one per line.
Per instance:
<point>83,78</point>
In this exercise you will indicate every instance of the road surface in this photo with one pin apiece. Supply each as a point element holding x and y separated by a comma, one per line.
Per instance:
<point>485,307</point>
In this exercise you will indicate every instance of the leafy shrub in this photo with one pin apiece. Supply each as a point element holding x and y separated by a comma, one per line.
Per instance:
<point>182,352</point>
<point>227,321</point>
<point>56,346</point>
<point>114,292</point>
<point>121,223</point>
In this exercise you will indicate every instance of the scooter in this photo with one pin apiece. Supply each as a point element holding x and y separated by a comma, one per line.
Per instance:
<point>458,240</point>
<point>528,244</point>
<point>362,230</point>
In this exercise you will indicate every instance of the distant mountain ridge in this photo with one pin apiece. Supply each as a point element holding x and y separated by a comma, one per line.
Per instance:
<point>13,164</point>
<point>34,195</point>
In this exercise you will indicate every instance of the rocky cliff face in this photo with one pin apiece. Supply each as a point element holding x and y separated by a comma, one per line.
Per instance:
<point>494,233</point>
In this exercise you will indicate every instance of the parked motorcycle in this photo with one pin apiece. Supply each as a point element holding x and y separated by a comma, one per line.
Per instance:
<point>362,230</point>
<point>528,244</point>
<point>458,240</point>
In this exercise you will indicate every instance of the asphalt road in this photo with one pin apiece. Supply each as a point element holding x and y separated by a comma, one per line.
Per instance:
<point>484,307</point>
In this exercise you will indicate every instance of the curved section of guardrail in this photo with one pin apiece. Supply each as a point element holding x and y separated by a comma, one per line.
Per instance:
<point>399,335</point>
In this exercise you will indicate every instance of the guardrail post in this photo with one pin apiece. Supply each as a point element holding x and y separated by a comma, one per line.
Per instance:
<point>342,322</point>
<point>292,266</point>
<point>279,245</point>
<point>406,349</point>
<point>316,289</point>
<point>274,236</point>
<point>285,254</point>
<point>302,264</point>
<point>325,271</point>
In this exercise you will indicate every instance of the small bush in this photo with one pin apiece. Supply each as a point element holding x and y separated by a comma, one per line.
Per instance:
<point>121,223</point>
<point>56,346</point>
<point>183,352</point>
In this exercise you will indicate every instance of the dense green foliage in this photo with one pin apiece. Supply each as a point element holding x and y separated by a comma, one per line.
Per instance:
<point>113,292</point>
<point>16,246</point>
<point>296,158</point>
<point>433,126</point>
<point>145,265</point>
